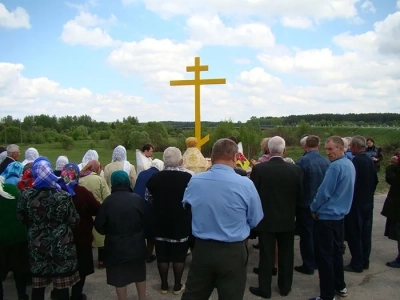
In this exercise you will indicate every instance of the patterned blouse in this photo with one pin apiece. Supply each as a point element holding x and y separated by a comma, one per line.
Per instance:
<point>50,216</point>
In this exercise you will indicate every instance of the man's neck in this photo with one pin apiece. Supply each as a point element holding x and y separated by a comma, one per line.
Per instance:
<point>312,149</point>
<point>276,155</point>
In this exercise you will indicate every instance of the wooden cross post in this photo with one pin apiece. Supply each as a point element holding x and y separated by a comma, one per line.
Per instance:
<point>197,82</point>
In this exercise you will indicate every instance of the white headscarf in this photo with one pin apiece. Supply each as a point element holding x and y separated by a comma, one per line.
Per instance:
<point>61,162</point>
<point>3,156</point>
<point>30,156</point>
<point>89,155</point>
<point>119,154</point>
<point>157,163</point>
<point>3,193</point>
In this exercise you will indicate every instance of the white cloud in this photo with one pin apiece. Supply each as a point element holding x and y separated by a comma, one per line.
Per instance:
<point>398,4</point>
<point>315,9</point>
<point>296,22</point>
<point>368,6</point>
<point>18,18</point>
<point>87,29</point>
<point>242,60</point>
<point>212,31</point>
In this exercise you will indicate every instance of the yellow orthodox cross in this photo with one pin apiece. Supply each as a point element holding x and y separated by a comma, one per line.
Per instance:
<point>197,82</point>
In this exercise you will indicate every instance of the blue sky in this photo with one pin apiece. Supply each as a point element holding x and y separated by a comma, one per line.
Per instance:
<point>111,59</point>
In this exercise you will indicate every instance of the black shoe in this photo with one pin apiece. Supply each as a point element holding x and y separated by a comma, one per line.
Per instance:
<point>256,291</point>
<point>303,270</point>
<point>284,294</point>
<point>256,246</point>
<point>349,268</point>
<point>151,258</point>
<point>366,266</point>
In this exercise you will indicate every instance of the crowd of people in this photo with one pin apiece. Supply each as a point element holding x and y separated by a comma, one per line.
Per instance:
<point>52,218</point>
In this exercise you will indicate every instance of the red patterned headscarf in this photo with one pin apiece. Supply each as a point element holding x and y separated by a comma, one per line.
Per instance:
<point>91,166</point>
<point>27,177</point>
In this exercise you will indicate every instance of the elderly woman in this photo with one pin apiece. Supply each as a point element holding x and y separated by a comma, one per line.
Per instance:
<point>60,163</point>
<point>172,226</point>
<point>90,179</point>
<point>87,206</point>
<point>121,219</point>
<point>13,241</point>
<point>31,154</point>
<point>12,174</point>
<point>50,215</point>
<point>140,189</point>
<point>119,162</point>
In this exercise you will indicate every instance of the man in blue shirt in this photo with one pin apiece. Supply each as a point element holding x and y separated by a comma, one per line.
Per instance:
<point>314,166</point>
<point>331,203</point>
<point>224,207</point>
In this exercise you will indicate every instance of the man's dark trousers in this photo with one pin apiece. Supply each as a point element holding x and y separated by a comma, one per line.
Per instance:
<point>358,224</point>
<point>305,229</point>
<point>328,240</point>
<point>217,265</point>
<point>285,241</point>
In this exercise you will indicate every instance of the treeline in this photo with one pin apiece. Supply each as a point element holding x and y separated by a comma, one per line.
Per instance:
<point>133,134</point>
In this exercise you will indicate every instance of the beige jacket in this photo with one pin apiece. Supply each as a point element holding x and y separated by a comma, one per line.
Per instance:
<point>119,165</point>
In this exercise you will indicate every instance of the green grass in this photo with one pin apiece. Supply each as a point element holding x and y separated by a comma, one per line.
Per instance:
<point>52,151</point>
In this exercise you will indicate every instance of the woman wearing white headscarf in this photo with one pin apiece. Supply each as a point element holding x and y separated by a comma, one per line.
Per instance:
<point>119,162</point>
<point>60,163</point>
<point>30,155</point>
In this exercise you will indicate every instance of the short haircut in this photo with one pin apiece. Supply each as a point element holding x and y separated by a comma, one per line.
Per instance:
<point>147,147</point>
<point>224,149</point>
<point>303,140</point>
<point>172,157</point>
<point>370,139</point>
<point>337,140</point>
<point>312,141</point>
<point>276,144</point>
<point>12,148</point>
<point>360,141</point>
<point>264,145</point>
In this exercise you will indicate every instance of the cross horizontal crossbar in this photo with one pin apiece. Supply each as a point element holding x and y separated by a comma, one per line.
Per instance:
<point>197,68</point>
<point>196,82</point>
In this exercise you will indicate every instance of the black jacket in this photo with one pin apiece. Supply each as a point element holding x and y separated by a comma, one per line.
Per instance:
<point>5,164</point>
<point>121,219</point>
<point>279,185</point>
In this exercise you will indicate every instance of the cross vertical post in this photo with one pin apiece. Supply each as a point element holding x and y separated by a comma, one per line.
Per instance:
<point>197,82</point>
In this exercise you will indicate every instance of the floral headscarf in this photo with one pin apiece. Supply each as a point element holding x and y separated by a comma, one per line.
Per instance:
<point>119,154</point>
<point>13,169</point>
<point>27,177</point>
<point>70,175</point>
<point>120,178</point>
<point>30,155</point>
<point>91,166</point>
<point>61,162</point>
<point>43,174</point>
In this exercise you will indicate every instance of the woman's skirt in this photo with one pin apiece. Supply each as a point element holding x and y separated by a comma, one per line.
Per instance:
<point>127,273</point>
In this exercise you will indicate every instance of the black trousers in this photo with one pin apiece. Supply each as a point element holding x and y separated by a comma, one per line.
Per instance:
<point>358,228</point>
<point>217,265</point>
<point>285,241</point>
<point>305,229</point>
<point>328,238</point>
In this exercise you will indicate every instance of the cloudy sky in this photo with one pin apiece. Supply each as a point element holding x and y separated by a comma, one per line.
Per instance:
<point>110,59</point>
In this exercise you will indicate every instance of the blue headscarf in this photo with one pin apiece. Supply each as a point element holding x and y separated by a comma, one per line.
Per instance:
<point>120,178</point>
<point>14,169</point>
<point>70,178</point>
<point>43,174</point>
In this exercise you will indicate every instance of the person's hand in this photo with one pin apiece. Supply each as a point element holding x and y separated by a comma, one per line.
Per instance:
<point>315,216</point>
<point>394,160</point>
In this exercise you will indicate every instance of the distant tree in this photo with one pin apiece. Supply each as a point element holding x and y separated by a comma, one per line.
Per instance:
<point>67,142</point>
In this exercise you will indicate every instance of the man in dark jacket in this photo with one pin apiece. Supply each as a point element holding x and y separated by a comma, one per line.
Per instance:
<point>314,166</point>
<point>358,223</point>
<point>279,185</point>
<point>13,154</point>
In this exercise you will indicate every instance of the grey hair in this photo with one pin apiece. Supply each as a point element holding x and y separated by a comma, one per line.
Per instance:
<point>360,141</point>
<point>276,144</point>
<point>303,140</point>
<point>172,157</point>
<point>224,149</point>
<point>12,148</point>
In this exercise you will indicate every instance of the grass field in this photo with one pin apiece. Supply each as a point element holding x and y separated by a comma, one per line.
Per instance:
<point>52,151</point>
